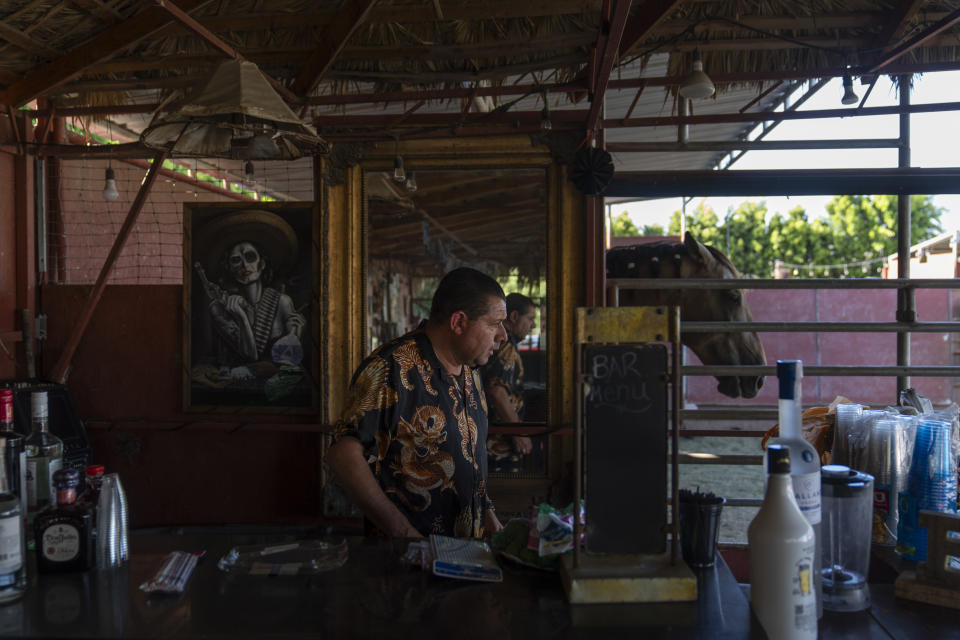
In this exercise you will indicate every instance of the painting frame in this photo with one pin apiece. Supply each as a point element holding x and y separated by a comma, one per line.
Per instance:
<point>250,318</point>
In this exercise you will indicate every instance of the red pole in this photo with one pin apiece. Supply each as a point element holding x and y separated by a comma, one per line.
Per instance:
<point>61,369</point>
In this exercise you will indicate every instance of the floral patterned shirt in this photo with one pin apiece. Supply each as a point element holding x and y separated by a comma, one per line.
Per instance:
<point>423,433</point>
<point>505,369</point>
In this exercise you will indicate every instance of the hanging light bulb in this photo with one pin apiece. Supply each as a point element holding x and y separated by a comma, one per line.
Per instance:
<point>110,192</point>
<point>698,84</point>
<point>399,175</point>
<point>411,182</point>
<point>545,123</point>
<point>849,95</point>
<point>248,172</point>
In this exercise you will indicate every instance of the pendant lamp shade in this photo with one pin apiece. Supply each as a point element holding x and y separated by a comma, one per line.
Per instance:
<point>233,114</point>
<point>698,83</point>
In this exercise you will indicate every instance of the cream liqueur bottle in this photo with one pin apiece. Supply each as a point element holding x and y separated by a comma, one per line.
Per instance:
<point>804,460</point>
<point>782,551</point>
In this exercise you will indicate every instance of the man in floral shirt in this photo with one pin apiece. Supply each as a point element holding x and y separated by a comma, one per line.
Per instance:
<point>410,449</point>
<point>503,383</point>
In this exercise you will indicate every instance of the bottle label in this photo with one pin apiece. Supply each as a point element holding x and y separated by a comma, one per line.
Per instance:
<point>23,480</point>
<point>61,543</point>
<point>31,484</point>
<point>40,489</point>
<point>804,598</point>
<point>11,557</point>
<point>806,487</point>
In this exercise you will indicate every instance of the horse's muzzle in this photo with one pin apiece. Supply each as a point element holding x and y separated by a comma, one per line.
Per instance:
<point>737,387</point>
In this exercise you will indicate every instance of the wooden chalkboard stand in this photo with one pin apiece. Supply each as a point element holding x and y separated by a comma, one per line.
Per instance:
<point>603,572</point>
<point>933,582</point>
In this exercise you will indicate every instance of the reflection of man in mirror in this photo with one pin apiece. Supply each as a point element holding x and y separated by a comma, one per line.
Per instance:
<point>503,384</point>
<point>255,328</point>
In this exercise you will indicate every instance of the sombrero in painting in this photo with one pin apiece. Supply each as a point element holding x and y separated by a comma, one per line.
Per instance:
<point>265,229</point>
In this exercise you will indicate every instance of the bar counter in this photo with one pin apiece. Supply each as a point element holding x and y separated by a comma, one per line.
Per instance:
<point>375,595</point>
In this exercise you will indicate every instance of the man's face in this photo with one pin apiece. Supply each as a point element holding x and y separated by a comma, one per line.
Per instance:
<point>524,324</point>
<point>245,263</point>
<point>477,339</point>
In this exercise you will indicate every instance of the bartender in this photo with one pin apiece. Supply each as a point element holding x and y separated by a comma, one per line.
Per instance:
<point>410,448</point>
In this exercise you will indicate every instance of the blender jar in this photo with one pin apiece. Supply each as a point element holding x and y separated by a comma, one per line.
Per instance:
<point>847,503</point>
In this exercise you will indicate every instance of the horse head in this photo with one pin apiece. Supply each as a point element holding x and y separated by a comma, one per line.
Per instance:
<point>695,260</point>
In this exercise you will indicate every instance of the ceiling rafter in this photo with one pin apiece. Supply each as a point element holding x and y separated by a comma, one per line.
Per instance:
<point>274,54</point>
<point>645,20</point>
<point>216,42</point>
<point>498,9</point>
<point>48,15</point>
<point>104,45</point>
<point>331,42</point>
<point>25,42</point>
<point>99,10</point>
<point>919,39</point>
<point>898,21</point>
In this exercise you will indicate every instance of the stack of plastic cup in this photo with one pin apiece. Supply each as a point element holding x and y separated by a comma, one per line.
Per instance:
<point>848,416</point>
<point>883,459</point>
<point>931,485</point>
<point>112,544</point>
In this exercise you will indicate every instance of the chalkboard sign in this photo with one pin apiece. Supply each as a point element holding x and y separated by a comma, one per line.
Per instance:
<point>625,445</point>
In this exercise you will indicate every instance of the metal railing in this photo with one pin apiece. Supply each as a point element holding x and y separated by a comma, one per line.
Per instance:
<point>899,327</point>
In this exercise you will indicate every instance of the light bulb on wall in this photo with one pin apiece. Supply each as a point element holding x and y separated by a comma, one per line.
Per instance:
<point>110,192</point>
<point>399,175</point>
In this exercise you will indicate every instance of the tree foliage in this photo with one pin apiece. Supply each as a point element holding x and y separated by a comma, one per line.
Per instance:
<point>622,225</point>
<point>853,237</point>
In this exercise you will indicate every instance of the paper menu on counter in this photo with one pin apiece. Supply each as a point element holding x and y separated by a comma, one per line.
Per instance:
<point>464,558</point>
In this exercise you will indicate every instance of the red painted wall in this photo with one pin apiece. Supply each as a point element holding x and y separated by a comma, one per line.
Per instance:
<point>177,467</point>
<point>929,349</point>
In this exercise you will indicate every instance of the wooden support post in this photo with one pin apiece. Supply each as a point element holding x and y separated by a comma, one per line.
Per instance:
<point>61,369</point>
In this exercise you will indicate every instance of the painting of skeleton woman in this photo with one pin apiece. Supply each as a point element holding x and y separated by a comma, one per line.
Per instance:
<point>248,287</point>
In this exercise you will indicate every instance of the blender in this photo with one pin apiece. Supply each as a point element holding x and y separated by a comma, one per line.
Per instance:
<point>847,501</point>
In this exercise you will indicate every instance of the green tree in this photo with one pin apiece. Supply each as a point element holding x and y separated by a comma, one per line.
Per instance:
<point>855,229</point>
<point>866,227</point>
<point>653,230</point>
<point>623,226</point>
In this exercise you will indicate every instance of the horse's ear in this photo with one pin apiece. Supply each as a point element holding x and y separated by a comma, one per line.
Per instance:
<point>696,250</point>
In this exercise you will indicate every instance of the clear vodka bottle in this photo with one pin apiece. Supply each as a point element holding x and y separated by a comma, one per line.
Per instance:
<point>44,458</point>
<point>13,559</point>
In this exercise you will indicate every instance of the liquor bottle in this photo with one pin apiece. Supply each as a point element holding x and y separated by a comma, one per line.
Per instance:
<point>44,457</point>
<point>13,566</point>
<point>782,549</point>
<point>91,492</point>
<point>63,530</point>
<point>805,461</point>
<point>16,449</point>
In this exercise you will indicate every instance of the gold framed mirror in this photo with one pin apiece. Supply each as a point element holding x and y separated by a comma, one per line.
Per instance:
<point>502,204</point>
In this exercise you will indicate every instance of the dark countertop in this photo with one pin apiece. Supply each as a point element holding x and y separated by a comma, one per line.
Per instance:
<point>374,595</point>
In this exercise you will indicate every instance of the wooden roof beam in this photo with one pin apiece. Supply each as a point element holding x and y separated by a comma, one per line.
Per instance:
<point>99,10</point>
<point>643,22</point>
<point>352,14</point>
<point>944,23</point>
<point>607,54</point>
<point>109,42</point>
<point>898,21</point>
<point>25,42</point>
<point>184,18</point>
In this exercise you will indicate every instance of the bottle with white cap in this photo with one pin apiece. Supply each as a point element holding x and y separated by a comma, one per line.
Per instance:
<point>44,458</point>
<point>782,549</point>
<point>804,459</point>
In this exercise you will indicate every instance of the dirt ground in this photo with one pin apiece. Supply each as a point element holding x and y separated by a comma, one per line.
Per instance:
<point>729,481</point>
